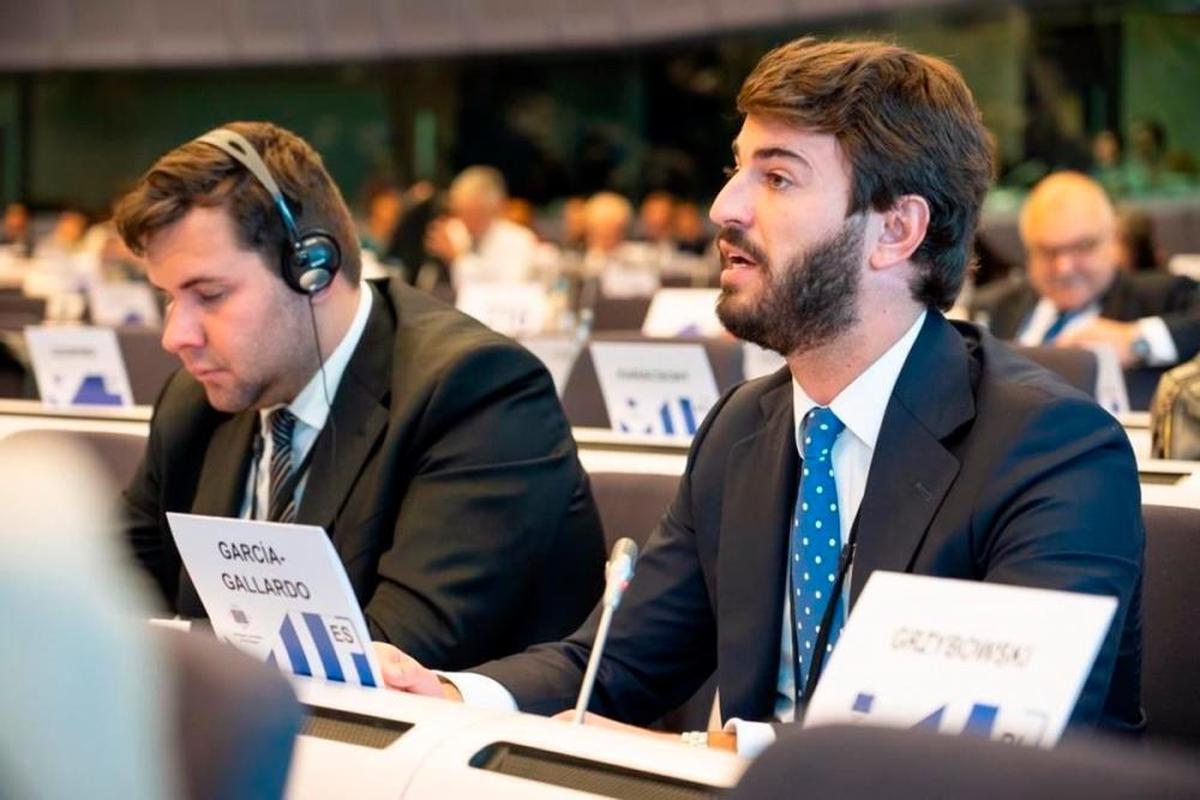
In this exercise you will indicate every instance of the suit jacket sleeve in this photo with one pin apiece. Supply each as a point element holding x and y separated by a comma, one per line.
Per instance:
<point>1070,520</point>
<point>662,641</point>
<point>143,515</point>
<point>496,479</point>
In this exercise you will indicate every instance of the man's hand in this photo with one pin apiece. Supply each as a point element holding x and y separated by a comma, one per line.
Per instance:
<point>716,739</point>
<point>405,673</point>
<point>441,242</point>
<point>1117,335</point>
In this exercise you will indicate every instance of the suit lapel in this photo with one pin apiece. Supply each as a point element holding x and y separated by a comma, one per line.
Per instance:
<point>222,484</point>
<point>356,421</point>
<point>911,470</point>
<point>755,518</point>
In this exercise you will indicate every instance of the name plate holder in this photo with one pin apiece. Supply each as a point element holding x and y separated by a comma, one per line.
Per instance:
<point>280,593</point>
<point>683,312</point>
<point>998,662</point>
<point>78,366</point>
<point>655,388</point>
<point>513,309</point>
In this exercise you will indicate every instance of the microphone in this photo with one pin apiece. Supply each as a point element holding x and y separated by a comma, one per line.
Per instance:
<point>617,574</point>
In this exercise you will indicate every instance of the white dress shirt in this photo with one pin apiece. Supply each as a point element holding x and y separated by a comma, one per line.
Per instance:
<point>504,254</point>
<point>1152,329</point>
<point>311,409</point>
<point>860,406</point>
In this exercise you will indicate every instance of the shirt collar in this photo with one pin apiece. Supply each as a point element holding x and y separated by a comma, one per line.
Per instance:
<point>858,406</point>
<point>310,406</point>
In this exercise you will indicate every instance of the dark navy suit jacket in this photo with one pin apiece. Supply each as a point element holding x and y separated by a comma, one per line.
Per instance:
<point>987,468</point>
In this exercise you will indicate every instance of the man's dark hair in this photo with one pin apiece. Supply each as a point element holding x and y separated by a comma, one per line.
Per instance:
<point>197,174</point>
<point>907,124</point>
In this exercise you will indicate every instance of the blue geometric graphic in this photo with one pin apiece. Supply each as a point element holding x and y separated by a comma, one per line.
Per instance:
<point>93,392</point>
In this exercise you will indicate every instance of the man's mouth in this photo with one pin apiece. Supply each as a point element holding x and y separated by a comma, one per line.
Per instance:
<point>735,258</point>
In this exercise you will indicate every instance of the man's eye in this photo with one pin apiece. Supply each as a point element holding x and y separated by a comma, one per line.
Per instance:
<point>776,181</point>
<point>210,297</point>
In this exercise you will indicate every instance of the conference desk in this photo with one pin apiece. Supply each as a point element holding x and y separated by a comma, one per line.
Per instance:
<point>367,743</point>
<point>1164,482</point>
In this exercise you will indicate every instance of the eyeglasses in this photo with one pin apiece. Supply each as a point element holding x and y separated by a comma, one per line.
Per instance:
<point>1077,249</point>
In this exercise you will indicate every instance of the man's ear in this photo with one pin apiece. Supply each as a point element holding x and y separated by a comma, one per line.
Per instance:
<point>901,233</point>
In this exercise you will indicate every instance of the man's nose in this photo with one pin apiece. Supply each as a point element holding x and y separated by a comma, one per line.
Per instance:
<point>181,330</point>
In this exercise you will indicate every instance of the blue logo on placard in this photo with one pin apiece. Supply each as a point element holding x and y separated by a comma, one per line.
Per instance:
<point>315,634</point>
<point>672,417</point>
<point>93,392</point>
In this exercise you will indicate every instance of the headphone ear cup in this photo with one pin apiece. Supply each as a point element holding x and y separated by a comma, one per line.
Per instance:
<point>311,265</point>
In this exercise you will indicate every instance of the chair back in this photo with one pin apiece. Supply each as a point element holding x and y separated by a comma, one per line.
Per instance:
<point>1170,611</point>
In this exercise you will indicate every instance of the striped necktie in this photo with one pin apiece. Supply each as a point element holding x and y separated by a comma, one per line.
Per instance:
<point>282,506</point>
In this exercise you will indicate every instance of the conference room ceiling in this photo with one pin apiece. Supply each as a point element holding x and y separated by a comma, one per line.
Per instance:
<point>55,34</point>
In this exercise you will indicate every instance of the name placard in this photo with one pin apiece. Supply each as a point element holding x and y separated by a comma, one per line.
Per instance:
<point>514,309</point>
<point>758,361</point>
<point>655,387</point>
<point>683,312</point>
<point>999,662</point>
<point>78,366</point>
<point>116,304</point>
<point>280,593</point>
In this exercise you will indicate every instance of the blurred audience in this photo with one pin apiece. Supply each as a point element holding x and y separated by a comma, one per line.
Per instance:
<point>17,232</point>
<point>1075,293</point>
<point>655,219</point>
<point>474,239</point>
<point>622,267</point>
<point>1137,250</point>
<point>384,206</point>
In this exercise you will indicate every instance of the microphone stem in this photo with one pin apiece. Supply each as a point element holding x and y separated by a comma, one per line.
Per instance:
<point>589,677</point>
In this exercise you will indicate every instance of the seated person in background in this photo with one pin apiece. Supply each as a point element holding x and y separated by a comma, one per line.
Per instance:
<point>1075,294</point>
<point>622,267</point>
<point>432,450</point>
<point>655,215</point>
<point>927,444</point>
<point>1137,249</point>
<point>475,239</point>
<point>16,232</point>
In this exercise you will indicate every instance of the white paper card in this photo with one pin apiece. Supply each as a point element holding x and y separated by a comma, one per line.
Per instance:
<point>759,361</point>
<point>1111,391</point>
<point>683,312</point>
<point>655,387</point>
<point>78,366</point>
<point>280,593</point>
<point>514,309</point>
<point>116,304</point>
<point>624,280</point>
<point>999,662</point>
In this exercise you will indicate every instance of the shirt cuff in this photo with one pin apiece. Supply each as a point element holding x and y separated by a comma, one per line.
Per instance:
<point>752,737</point>
<point>480,691</point>
<point>1158,337</point>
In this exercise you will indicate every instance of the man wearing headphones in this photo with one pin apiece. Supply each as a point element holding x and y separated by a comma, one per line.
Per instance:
<point>432,450</point>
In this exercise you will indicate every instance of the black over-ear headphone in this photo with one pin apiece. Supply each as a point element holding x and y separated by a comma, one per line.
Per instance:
<point>310,258</point>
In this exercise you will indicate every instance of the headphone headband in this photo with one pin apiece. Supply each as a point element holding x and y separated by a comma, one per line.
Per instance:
<point>314,255</point>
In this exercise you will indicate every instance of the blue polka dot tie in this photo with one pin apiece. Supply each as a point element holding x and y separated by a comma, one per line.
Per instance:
<point>816,541</point>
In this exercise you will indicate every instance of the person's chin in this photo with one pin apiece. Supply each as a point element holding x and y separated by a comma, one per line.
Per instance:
<point>224,398</point>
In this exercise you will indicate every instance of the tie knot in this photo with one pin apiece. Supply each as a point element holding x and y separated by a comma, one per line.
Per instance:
<point>283,422</point>
<point>821,428</point>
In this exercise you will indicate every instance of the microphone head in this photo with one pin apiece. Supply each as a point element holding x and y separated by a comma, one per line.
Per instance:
<point>625,548</point>
<point>619,570</point>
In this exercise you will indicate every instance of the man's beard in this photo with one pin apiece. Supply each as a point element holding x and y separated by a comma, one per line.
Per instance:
<point>807,303</point>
